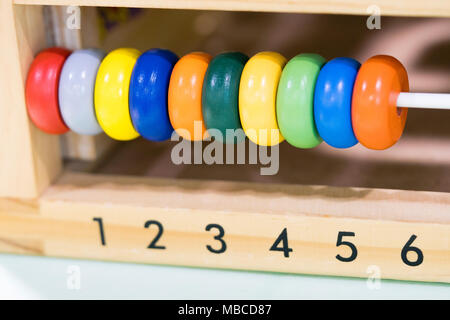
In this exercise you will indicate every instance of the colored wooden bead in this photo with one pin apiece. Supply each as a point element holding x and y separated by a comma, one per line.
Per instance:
<point>76,91</point>
<point>111,94</point>
<point>333,102</point>
<point>257,95</point>
<point>41,90</point>
<point>220,98</point>
<point>185,95</point>
<point>148,94</point>
<point>295,100</point>
<point>377,122</point>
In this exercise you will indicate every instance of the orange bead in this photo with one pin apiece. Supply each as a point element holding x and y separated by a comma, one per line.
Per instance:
<point>185,95</point>
<point>377,122</point>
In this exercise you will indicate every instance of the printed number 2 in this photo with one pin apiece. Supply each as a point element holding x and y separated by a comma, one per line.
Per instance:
<point>352,247</point>
<point>219,238</point>
<point>283,238</point>
<point>152,244</point>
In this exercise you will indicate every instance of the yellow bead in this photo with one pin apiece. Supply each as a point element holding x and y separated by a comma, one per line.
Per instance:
<point>111,94</point>
<point>257,97</point>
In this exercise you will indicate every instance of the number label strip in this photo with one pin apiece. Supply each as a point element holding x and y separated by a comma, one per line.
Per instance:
<point>284,248</point>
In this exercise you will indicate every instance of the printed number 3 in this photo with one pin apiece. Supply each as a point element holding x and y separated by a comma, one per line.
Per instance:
<point>218,237</point>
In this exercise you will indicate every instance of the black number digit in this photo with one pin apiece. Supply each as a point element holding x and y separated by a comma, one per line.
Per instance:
<point>352,247</point>
<point>100,226</point>
<point>152,244</point>
<point>416,250</point>
<point>283,239</point>
<point>218,237</point>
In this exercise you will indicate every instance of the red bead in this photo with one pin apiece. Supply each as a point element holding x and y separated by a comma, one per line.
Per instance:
<point>41,90</point>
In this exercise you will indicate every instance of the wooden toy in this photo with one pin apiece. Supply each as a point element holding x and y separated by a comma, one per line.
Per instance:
<point>47,209</point>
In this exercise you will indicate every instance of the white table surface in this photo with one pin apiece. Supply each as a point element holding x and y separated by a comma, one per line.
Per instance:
<point>46,278</point>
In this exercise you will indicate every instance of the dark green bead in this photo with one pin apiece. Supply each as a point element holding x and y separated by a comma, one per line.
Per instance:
<point>220,96</point>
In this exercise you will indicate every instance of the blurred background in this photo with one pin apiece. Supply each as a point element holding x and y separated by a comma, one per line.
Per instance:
<point>419,161</point>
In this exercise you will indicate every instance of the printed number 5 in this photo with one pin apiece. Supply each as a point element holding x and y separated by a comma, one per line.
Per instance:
<point>348,244</point>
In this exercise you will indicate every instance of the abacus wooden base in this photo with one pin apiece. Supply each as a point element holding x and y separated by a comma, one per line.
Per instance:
<point>66,222</point>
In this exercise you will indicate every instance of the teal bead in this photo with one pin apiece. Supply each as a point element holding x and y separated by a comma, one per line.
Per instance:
<point>220,97</point>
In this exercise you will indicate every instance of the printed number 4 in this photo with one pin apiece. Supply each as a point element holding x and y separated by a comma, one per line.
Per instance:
<point>283,240</point>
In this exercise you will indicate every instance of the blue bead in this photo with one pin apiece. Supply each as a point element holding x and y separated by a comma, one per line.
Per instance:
<point>333,102</point>
<point>148,94</point>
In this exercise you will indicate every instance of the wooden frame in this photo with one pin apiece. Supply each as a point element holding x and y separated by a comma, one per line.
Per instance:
<point>34,158</point>
<point>46,211</point>
<point>61,223</point>
<point>434,8</point>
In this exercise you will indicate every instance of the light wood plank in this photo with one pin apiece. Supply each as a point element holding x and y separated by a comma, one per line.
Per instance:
<point>270,198</point>
<point>252,216</point>
<point>431,8</point>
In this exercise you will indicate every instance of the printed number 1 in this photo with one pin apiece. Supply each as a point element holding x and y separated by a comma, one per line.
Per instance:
<point>100,226</point>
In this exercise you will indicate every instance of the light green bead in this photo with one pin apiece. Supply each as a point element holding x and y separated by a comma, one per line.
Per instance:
<point>295,100</point>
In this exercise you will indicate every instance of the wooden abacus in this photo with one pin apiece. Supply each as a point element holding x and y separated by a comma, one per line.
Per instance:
<point>47,209</point>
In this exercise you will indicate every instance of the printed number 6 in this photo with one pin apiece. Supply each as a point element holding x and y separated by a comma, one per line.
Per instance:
<point>407,248</point>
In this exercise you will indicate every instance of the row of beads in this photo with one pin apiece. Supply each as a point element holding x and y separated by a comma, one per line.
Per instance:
<point>304,101</point>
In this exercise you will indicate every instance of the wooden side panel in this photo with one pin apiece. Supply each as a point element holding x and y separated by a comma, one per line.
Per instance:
<point>30,159</point>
